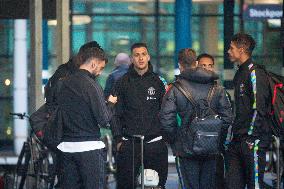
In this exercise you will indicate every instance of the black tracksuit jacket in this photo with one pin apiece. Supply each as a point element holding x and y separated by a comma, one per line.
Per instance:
<point>244,100</point>
<point>139,102</point>
<point>83,108</point>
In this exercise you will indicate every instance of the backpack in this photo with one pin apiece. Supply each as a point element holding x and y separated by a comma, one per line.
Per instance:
<point>202,136</point>
<point>276,83</point>
<point>47,124</point>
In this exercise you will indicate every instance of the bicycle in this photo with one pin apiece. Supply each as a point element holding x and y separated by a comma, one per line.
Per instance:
<point>34,168</point>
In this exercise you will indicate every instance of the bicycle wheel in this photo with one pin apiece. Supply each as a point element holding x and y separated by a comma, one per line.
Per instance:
<point>24,174</point>
<point>43,167</point>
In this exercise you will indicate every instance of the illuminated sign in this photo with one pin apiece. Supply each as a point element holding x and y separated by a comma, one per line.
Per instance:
<point>262,12</point>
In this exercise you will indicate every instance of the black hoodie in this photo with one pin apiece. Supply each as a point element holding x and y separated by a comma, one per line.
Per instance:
<point>139,102</point>
<point>198,81</point>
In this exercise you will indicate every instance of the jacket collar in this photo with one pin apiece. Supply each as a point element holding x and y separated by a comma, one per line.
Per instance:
<point>245,65</point>
<point>134,73</point>
<point>86,72</point>
<point>199,75</point>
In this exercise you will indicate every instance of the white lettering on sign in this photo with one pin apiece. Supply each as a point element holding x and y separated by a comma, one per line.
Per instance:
<point>265,13</point>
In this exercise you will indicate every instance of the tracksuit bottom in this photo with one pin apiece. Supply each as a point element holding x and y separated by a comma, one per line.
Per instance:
<point>84,170</point>
<point>197,173</point>
<point>220,171</point>
<point>155,157</point>
<point>246,165</point>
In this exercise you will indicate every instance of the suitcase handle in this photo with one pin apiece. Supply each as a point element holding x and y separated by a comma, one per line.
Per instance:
<point>141,137</point>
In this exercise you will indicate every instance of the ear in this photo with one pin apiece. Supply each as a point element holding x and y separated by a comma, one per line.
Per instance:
<point>131,59</point>
<point>149,57</point>
<point>94,63</point>
<point>180,67</point>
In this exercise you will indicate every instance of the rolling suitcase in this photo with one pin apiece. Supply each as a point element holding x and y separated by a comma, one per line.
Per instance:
<point>141,138</point>
<point>145,173</point>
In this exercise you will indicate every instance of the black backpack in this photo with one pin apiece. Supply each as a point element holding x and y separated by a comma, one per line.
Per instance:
<point>46,122</point>
<point>276,85</point>
<point>202,136</point>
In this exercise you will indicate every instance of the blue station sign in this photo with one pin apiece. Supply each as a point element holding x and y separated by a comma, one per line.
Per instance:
<point>262,12</point>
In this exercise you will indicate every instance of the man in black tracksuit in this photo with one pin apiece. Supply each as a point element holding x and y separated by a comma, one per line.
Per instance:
<point>140,93</point>
<point>251,128</point>
<point>195,172</point>
<point>84,114</point>
<point>51,93</point>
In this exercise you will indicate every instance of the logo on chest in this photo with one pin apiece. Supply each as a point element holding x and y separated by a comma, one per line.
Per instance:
<point>151,93</point>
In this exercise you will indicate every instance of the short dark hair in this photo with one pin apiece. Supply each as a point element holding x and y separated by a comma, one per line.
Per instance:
<point>90,45</point>
<point>205,55</point>
<point>243,40</point>
<point>138,45</point>
<point>187,57</point>
<point>86,54</point>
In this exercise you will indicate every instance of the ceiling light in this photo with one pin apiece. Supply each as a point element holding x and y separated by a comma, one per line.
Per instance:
<point>76,20</point>
<point>7,82</point>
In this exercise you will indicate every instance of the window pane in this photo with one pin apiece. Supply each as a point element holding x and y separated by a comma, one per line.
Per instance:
<point>113,7</point>
<point>6,81</point>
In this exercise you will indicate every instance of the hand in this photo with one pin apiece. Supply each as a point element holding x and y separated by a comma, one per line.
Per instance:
<point>118,146</point>
<point>112,99</point>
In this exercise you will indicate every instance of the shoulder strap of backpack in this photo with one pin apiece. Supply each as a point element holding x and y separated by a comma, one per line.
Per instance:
<point>185,92</point>
<point>211,93</point>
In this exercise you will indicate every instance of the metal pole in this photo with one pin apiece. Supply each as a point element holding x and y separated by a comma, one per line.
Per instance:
<point>36,93</point>
<point>228,33</point>
<point>20,96</point>
<point>142,162</point>
<point>242,26</point>
<point>70,27</point>
<point>45,74</point>
<point>157,35</point>
<point>182,27</point>
<point>63,40</point>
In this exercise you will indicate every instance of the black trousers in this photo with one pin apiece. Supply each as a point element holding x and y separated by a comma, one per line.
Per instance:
<point>220,169</point>
<point>198,172</point>
<point>246,165</point>
<point>155,157</point>
<point>84,170</point>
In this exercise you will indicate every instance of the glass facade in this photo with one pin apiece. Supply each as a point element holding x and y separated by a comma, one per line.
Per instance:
<point>116,25</point>
<point>6,83</point>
